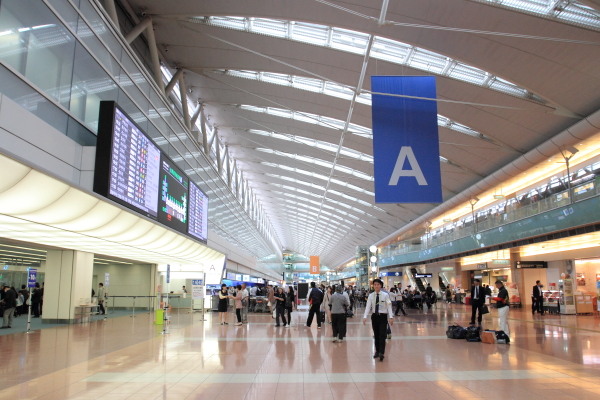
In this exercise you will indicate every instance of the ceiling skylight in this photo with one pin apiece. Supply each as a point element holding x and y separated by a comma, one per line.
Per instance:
<point>289,80</point>
<point>383,49</point>
<point>566,11</point>
<point>319,162</point>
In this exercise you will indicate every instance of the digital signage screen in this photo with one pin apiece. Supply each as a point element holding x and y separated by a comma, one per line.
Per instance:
<point>173,200</point>
<point>198,213</point>
<point>127,162</point>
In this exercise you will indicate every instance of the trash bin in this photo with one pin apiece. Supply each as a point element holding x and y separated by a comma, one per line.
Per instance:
<point>468,300</point>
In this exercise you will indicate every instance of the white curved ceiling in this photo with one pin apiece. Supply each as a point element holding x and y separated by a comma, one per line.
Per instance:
<point>41,209</point>
<point>261,91</point>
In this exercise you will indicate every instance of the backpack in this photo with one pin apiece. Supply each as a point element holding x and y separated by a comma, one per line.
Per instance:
<point>456,332</point>
<point>502,337</point>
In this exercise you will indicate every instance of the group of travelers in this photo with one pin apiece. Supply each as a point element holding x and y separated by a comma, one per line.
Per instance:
<point>14,303</point>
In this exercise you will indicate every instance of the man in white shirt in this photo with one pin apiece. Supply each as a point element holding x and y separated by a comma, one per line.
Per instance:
<point>245,303</point>
<point>253,291</point>
<point>380,304</point>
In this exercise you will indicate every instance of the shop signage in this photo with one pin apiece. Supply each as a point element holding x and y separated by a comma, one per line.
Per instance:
<point>260,280</point>
<point>405,140</point>
<point>245,278</point>
<point>482,266</point>
<point>501,262</point>
<point>31,277</point>
<point>254,280</point>
<point>389,273</point>
<point>231,276</point>
<point>238,277</point>
<point>197,289</point>
<point>447,268</point>
<point>423,275</point>
<point>531,264</point>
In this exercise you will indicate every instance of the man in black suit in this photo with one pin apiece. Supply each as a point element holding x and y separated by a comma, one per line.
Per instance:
<point>477,300</point>
<point>538,299</point>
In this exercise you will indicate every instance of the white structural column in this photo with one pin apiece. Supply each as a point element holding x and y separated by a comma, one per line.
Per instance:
<point>68,282</point>
<point>111,10</point>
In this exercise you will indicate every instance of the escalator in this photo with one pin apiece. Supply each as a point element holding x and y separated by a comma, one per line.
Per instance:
<point>418,281</point>
<point>442,284</point>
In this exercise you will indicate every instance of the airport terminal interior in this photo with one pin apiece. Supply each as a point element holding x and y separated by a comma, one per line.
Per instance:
<point>303,199</point>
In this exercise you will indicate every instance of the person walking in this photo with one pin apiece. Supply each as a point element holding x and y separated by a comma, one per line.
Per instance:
<point>280,307</point>
<point>101,298</point>
<point>237,299</point>
<point>380,305</point>
<point>315,298</point>
<point>223,297</point>
<point>477,301</point>
<point>25,293</point>
<point>339,304</point>
<point>271,297</point>
<point>245,303</point>
<point>290,304</point>
<point>326,304</point>
<point>9,300</point>
<point>538,299</point>
<point>36,299</point>
<point>502,306</point>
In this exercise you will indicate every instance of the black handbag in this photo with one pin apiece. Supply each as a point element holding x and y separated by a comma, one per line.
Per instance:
<point>484,310</point>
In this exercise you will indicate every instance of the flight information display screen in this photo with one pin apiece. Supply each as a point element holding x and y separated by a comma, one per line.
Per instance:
<point>198,214</point>
<point>134,165</point>
<point>173,201</point>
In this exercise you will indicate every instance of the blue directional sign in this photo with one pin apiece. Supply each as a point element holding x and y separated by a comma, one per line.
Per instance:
<point>405,140</point>
<point>31,277</point>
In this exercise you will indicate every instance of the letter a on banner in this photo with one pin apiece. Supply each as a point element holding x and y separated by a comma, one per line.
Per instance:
<point>405,141</point>
<point>315,265</point>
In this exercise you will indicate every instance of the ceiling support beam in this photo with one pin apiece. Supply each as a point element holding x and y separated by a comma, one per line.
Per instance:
<point>173,81</point>
<point>184,103</point>
<point>203,121</point>
<point>111,10</point>
<point>138,29</point>
<point>154,57</point>
<point>195,115</point>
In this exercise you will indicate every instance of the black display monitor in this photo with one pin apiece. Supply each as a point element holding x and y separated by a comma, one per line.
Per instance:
<point>173,200</point>
<point>127,162</point>
<point>198,214</point>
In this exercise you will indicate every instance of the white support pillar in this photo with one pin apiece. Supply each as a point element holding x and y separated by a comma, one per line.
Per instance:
<point>228,166</point>
<point>212,139</point>
<point>184,103</point>
<point>111,10</point>
<point>68,283</point>
<point>154,57</point>
<point>173,81</point>
<point>218,151</point>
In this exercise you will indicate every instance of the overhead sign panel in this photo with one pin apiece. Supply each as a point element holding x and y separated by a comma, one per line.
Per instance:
<point>315,265</point>
<point>405,140</point>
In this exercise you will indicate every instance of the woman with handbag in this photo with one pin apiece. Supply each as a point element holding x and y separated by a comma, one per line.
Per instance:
<point>238,304</point>
<point>223,296</point>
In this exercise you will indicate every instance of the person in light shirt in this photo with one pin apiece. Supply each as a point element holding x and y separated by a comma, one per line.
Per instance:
<point>380,304</point>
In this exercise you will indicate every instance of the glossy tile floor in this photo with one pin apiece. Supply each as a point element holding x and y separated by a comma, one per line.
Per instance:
<point>551,357</point>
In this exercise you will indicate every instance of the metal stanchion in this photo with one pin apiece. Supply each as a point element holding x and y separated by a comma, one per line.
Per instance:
<point>133,308</point>
<point>29,311</point>
<point>113,310</point>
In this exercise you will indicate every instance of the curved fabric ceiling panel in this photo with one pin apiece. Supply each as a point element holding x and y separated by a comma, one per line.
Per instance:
<point>384,49</point>
<point>57,214</point>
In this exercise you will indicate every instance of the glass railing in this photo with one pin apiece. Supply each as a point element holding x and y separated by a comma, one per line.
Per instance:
<point>580,192</point>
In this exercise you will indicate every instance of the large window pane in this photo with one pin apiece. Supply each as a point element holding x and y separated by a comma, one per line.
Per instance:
<point>90,86</point>
<point>37,45</point>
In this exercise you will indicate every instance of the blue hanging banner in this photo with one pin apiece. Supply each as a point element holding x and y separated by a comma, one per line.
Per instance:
<point>406,148</point>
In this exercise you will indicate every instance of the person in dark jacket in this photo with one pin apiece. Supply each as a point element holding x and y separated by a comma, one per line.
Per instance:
<point>36,299</point>
<point>9,300</point>
<point>315,299</point>
<point>290,304</point>
<point>25,293</point>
